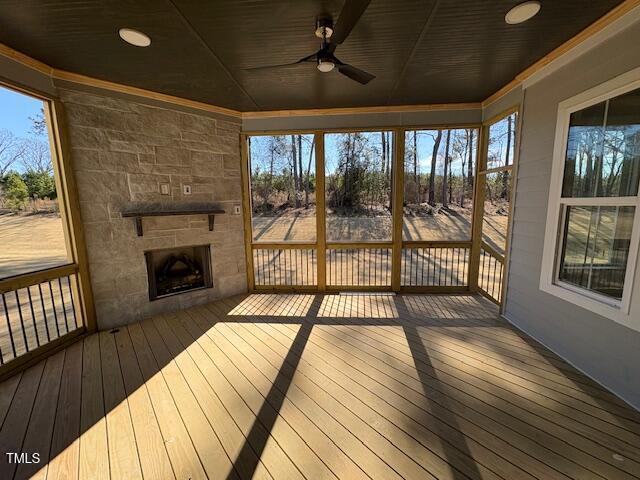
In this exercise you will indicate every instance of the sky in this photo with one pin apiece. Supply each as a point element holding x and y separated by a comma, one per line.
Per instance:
<point>15,110</point>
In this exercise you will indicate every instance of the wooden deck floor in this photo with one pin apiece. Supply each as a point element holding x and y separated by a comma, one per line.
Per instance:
<point>314,387</point>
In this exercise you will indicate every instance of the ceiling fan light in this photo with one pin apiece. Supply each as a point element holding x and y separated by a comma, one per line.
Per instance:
<point>522,12</point>
<point>325,65</point>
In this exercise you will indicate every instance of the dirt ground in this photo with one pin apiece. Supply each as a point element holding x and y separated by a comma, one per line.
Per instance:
<point>300,225</point>
<point>30,242</point>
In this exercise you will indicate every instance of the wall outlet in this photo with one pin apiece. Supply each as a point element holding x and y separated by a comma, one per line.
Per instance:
<point>186,189</point>
<point>165,189</point>
<point>237,209</point>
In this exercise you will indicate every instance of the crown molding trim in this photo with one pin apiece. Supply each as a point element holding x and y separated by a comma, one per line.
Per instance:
<point>25,60</point>
<point>141,92</point>
<point>361,110</point>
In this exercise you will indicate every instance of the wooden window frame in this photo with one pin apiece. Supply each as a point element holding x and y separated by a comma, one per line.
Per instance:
<point>396,244</point>
<point>479,193</point>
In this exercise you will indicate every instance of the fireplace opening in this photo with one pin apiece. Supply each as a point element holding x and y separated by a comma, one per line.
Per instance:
<point>177,270</point>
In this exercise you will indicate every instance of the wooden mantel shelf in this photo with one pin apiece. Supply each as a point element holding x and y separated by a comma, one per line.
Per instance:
<point>165,211</point>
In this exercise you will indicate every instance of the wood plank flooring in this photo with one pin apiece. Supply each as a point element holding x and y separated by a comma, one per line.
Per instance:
<point>316,387</point>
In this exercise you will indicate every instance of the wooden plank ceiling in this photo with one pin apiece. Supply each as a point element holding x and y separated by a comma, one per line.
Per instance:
<point>421,51</point>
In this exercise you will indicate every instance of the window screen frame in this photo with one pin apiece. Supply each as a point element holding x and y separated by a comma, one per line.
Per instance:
<point>623,310</point>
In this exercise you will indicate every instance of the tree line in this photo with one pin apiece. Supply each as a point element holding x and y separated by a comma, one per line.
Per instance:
<point>282,171</point>
<point>440,183</point>
<point>26,171</point>
<point>359,169</point>
<point>359,175</point>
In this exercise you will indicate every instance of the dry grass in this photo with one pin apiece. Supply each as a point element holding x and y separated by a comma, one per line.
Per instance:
<point>448,224</point>
<point>30,242</point>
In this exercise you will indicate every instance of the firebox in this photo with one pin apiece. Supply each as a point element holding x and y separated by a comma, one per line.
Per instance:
<point>177,270</point>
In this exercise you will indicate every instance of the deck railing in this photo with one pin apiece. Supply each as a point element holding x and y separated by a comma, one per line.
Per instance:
<point>38,309</point>
<point>490,273</point>
<point>435,265</point>
<point>285,266</point>
<point>359,266</point>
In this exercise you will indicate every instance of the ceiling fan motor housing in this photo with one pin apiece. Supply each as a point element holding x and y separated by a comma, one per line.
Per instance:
<point>324,27</point>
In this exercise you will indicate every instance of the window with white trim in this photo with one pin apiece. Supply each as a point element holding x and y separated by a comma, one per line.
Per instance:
<point>591,245</point>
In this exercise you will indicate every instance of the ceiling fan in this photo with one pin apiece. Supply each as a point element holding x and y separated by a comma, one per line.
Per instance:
<point>332,36</point>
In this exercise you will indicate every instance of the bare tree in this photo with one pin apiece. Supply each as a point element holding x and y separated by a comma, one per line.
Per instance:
<point>389,156</point>
<point>300,162</point>
<point>470,133</point>
<point>307,182</point>
<point>37,156</point>
<point>416,177</point>
<point>294,164</point>
<point>445,202</point>
<point>383,140</point>
<point>39,124</point>
<point>460,146</point>
<point>432,176</point>
<point>12,150</point>
<point>507,160</point>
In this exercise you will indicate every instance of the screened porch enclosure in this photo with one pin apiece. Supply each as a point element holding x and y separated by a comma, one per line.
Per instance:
<point>414,209</point>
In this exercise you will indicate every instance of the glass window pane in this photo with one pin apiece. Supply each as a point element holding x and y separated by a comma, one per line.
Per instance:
<point>603,149</point>
<point>596,248</point>
<point>502,142</point>
<point>584,151</point>
<point>621,163</point>
<point>283,193</point>
<point>495,217</point>
<point>358,180</point>
<point>439,170</point>
<point>31,228</point>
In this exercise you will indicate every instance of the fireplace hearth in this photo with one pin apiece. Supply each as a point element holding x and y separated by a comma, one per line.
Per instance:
<point>177,270</point>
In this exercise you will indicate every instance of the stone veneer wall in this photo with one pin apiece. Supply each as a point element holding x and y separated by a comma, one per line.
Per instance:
<point>122,151</point>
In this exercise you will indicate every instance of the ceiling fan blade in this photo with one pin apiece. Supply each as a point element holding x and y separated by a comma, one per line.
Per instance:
<point>356,74</point>
<point>349,16</point>
<point>308,58</point>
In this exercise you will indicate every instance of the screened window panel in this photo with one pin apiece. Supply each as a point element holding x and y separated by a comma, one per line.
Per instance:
<point>495,215</point>
<point>439,175</point>
<point>283,193</point>
<point>358,179</point>
<point>32,229</point>
<point>502,142</point>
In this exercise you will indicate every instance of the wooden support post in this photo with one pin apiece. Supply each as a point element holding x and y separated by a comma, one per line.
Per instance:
<point>478,209</point>
<point>321,224</point>
<point>397,207</point>
<point>245,175</point>
<point>512,201</point>
<point>70,208</point>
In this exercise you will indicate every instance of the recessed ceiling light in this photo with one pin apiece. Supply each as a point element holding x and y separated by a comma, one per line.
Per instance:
<point>522,12</point>
<point>134,37</point>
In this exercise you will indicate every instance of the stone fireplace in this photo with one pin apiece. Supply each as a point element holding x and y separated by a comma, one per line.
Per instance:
<point>128,154</point>
<point>172,271</point>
